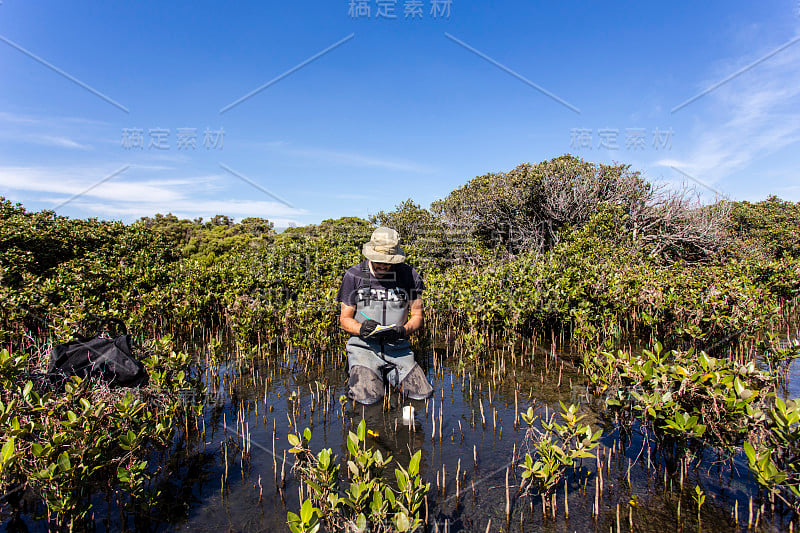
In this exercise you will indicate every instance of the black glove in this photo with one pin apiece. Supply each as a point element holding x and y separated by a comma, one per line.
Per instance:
<point>367,327</point>
<point>392,334</point>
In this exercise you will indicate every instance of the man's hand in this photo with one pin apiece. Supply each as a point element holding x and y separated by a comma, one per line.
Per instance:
<point>391,334</point>
<point>367,327</point>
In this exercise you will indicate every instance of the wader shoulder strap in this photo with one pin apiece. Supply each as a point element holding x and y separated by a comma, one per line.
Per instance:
<point>363,279</point>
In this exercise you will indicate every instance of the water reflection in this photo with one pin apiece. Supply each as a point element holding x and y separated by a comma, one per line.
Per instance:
<point>234,473</point>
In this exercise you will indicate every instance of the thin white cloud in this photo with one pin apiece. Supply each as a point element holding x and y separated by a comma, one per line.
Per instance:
<point>15,118</point>
<point>351,159</point>
<point>140,166</point>
<point>61,132</point>
<point>54,140</point>
<point>276,212</point>
<point>125,197</point>
<point>20,118</point>
<point>745,120</point>
<point>73,181</point>
<point>174,157</point>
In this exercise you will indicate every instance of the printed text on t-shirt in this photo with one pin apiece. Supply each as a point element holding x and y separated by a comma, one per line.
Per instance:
<point>390,295</point>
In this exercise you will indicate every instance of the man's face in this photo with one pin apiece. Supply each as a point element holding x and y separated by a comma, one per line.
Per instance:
<point>381,269</point>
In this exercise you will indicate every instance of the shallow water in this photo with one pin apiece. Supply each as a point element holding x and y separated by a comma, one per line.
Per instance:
<point>262,397</point>
<point>449,431</point>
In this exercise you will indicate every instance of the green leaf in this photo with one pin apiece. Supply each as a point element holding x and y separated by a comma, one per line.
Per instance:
<point>306,511</point>
<point>779,404</point>
<point>750,452</point>
<point>389,495</point>
<point>294,522</point>
<point>313,485</point>
<point>7,453</point>
<point>402,480</point>
<point>738,386</point>
<point>377,499</point>
<point>293,439</point>
<point>413,465</point>
<point>63,462</point>
<point>402,522</point>
<point>746,394</point>
<point>351,446</point>
<point>324,458</point>
<point>333,501</point>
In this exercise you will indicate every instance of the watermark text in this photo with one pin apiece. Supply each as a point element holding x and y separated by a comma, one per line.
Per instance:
<point>631,139</point>
<point>162,138</point>
<point>395,9</point>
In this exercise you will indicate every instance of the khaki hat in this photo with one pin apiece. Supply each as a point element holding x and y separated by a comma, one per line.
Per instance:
<point>384,247</point>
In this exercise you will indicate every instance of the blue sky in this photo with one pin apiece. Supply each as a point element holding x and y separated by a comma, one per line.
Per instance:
<point>100,101</point>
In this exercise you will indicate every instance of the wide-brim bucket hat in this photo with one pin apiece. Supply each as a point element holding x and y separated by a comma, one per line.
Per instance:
<point>384,247</point>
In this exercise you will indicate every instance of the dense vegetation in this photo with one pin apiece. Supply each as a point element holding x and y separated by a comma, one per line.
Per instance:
<point>591,252</point>
<point>64,446</point>
<point>598,265</point>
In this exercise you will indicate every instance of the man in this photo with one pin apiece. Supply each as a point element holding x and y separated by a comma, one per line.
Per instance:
<point>381,305</point>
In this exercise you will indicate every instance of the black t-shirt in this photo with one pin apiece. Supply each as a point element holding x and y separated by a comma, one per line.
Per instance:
<point>401,283</point>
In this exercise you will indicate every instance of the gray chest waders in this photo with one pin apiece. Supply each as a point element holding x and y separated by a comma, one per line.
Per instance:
<point>383,358</point>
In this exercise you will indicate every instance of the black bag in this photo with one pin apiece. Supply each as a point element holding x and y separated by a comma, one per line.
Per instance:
<point>107,358</point>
